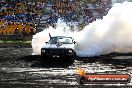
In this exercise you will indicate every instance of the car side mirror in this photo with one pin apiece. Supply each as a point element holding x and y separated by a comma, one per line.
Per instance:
<point>74,42</point>
<point>46,42</point>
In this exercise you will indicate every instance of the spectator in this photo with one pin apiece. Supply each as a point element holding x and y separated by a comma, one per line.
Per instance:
<point>16,32</point>
<point>32,32</point>
<point>15,11</point>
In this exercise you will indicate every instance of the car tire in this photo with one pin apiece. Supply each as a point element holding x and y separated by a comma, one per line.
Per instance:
<point>81,80</point>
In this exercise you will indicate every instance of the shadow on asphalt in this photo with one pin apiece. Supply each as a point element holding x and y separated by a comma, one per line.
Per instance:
<point>39,61</point>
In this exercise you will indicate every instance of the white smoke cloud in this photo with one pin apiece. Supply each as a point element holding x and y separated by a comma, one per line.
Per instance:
<point>113,32</point>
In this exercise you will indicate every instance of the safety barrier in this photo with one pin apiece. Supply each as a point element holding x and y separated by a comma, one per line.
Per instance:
<point>15,37</point>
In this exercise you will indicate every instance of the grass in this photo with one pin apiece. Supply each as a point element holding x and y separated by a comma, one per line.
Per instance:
<point>15,41</point>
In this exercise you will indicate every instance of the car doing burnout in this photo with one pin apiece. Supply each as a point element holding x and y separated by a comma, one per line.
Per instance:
<point>59,46</point>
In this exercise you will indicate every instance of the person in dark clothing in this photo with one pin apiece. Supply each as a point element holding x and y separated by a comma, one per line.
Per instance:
<point>16,32</point>
<point>32,32</point>
<point>24,33</point>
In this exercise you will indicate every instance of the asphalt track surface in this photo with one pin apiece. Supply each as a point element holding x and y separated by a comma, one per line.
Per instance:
<point>20,69</point>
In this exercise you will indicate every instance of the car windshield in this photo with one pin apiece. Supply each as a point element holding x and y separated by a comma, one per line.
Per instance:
<point>63,40</point>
